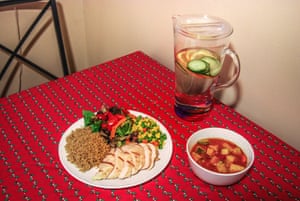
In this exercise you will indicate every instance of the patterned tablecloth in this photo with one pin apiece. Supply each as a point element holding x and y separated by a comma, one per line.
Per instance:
<point>33,121</point>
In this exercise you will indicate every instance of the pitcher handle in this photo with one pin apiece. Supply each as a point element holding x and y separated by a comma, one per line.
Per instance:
<point>236,62</point>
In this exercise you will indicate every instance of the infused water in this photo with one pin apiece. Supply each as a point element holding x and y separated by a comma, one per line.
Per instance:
<point>196,70</point>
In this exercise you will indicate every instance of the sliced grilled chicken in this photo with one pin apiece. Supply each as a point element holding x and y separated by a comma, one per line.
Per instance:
<point>118,165</point>
<point>128,166</point>
<point>107,166</point>
<point>127,161</point>
<point>138,155</point>
<point>154,155</point>
<point>133,162</point>
<point>105,169</point>
<point>148,153</point>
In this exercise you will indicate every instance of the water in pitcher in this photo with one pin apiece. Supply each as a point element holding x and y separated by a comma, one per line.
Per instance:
<point>201,42</point>
<point>196,70</point>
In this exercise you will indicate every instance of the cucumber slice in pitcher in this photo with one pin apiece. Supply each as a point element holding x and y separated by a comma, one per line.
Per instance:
<point>198,66</point>
<point>214,65</point>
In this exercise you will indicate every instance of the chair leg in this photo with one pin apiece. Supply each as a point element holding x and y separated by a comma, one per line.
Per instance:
<point>59,37</point>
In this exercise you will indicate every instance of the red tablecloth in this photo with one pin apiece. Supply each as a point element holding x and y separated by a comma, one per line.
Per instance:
<point>33,121</point>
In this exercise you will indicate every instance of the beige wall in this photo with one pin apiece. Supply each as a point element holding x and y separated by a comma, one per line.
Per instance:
<point>265,37</point>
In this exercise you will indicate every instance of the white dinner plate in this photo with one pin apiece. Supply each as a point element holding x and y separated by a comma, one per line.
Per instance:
<point>143,176</point>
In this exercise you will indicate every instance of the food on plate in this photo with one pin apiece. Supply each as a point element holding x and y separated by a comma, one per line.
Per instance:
<point>128,160</point>
<point>148,131</point>
<point>85,149</point>
<point>118,126</point>
<point>115,142</point>
<point>219,155</point>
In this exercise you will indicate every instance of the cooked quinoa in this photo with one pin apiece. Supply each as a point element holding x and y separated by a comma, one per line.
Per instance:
<point>85,149</point>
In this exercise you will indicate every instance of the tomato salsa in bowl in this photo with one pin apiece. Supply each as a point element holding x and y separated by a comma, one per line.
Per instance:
<point>219,156</point>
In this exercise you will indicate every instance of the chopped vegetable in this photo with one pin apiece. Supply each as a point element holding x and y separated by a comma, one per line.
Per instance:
<point>90,120</point>
<point>119,127</point>
<point>203,142</point>
<point>149,131</point>
<point>198,66</point>
<point>219,155</point>
<point>214,65</point>
<point>115,126</point>
<point>87,117</point>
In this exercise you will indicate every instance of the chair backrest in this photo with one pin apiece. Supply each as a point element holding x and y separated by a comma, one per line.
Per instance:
<point>14,54</point>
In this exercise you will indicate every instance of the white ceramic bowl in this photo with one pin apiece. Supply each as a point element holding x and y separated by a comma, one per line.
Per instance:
<point>211,176</point>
